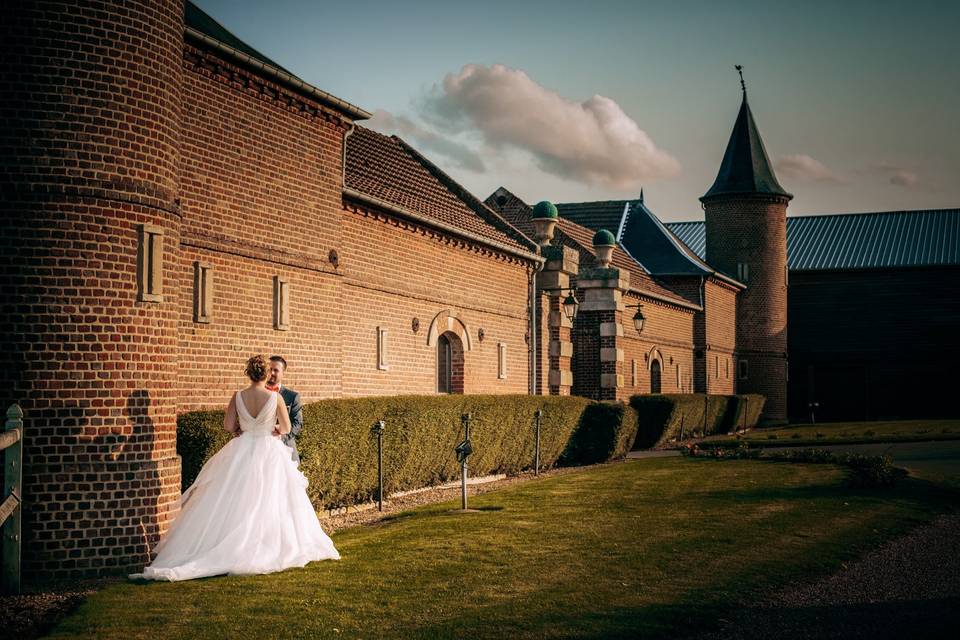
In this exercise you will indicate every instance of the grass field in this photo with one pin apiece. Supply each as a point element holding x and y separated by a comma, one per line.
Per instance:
<point>847,433</point>
<point>647,547</point>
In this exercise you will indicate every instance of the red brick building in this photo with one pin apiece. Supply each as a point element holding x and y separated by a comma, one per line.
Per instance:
<point>174,200</point>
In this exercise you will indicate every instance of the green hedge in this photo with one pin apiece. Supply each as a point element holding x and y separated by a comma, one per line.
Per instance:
<point>665,417</point>
<point>607,431</point>
<point>339,451</point>
<point>863,471</point>
<point>743,412</point>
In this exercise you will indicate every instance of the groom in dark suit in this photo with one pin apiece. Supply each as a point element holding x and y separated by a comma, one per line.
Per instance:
<point>291,398</point>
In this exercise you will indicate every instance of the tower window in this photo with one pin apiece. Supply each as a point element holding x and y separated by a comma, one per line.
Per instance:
<point>743,271</point>
<point>501,360</point>
<point>150,263</point>
<point>633,372</point>
<point>743,370</point>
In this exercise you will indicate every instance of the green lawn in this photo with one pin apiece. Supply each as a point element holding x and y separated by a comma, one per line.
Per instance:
<point>642,547</point>
<point>848,433</point>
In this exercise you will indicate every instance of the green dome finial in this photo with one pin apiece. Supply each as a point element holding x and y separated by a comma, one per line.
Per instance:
<point>545,209</point>
<point>604,238</point>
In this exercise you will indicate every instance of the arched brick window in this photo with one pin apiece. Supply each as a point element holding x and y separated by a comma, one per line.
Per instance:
<point>655,372</point>
<point>449,363</point>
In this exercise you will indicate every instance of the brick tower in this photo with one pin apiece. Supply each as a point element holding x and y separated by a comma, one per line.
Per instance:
<point>746,238</point>
<point>89,234</point>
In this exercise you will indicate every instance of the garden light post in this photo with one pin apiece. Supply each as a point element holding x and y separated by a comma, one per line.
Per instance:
<point>378,428</point>
<point>536,455</point>
<point>464,449</point>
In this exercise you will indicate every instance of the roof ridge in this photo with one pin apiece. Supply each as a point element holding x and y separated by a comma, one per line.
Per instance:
<point>877,213</point>
<point>848,213</point>
<point>479,207</point>
<point>621,200</point>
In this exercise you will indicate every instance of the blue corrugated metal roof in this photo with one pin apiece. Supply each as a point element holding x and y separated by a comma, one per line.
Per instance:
<point>860,240</point>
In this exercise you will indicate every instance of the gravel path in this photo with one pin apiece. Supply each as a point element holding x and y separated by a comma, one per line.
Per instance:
<point>907,588</point>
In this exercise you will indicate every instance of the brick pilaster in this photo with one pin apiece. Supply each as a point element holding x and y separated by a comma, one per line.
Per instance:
<point>599,362</point>
<point>557,344</point>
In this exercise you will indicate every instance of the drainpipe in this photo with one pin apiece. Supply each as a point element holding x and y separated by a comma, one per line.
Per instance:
<point>532,347</point>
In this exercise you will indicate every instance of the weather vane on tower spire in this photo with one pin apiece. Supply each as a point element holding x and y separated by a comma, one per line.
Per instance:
<point>743,85</point>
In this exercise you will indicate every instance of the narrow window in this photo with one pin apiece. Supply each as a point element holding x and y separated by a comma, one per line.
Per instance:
<point>743,271</point>
<point>716,366</point>
<point>726,368</point>
<point>786,275</point>
<point>444,365</point>
<point>202,292</point>
<point>655,376</point>
<point>281,304</point>
<point>501,360</point>
<point>679,379</point>
<point>633,372</point>
<point>743,370</point>
<point>382,349</point>
<point>150,263</point>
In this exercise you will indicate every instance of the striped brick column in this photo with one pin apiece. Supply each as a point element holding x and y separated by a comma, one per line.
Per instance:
<point>552,282</point>
<point>600,361</point>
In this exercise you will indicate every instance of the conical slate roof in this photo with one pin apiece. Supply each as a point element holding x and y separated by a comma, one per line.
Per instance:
<point>745,168</point>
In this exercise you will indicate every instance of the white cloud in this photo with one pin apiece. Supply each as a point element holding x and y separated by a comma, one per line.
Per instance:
<point>803,168</point>
<point>593,142</point>
<point>462,155</point>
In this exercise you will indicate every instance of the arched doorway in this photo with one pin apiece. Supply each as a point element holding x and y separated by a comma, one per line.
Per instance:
<point>449,363</point>
<point>655,376</point>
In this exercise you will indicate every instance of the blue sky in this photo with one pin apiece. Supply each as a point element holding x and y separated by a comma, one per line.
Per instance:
<point>857,102</point>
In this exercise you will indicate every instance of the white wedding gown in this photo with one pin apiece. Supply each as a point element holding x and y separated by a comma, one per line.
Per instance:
<point>246,513</point>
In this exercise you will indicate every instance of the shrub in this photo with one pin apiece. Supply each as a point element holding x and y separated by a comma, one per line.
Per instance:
<point>339,451</point>
<point>664,417</point>
<point>743,412</point>
<point>864,472</point>
<point>607,431</point>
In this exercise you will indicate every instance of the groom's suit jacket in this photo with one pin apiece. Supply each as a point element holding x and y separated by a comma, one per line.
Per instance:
<point>295,408</point>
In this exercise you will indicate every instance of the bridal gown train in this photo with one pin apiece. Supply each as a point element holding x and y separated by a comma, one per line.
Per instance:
<point>246,513</point>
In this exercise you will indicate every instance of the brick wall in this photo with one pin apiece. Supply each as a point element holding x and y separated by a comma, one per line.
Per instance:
<point>261,189</point>
<point>89,149</point>
<point>753,230</point>
<point>667,335</point>
<point>397,271</point>
<point>720,333</point>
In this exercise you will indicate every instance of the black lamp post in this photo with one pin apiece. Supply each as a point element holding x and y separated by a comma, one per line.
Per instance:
<point>638,320</point>
<point>570,306</point>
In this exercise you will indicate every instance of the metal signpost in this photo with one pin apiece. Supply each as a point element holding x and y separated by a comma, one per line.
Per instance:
<point>464,449</point>
<point>378,428</point>
<point>536,456</point>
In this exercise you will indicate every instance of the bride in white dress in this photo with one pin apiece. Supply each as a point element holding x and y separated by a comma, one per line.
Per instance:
<point>248,510</point>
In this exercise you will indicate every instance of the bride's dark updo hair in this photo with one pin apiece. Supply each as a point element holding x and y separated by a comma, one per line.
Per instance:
<point>257,367</point>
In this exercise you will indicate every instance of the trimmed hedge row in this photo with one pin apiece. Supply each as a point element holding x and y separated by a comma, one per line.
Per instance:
<point>664,417</point>
<point>607,431</point>
<point>339,451</point>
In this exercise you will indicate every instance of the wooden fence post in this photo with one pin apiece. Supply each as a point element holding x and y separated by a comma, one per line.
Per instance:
<point>11,443</point>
